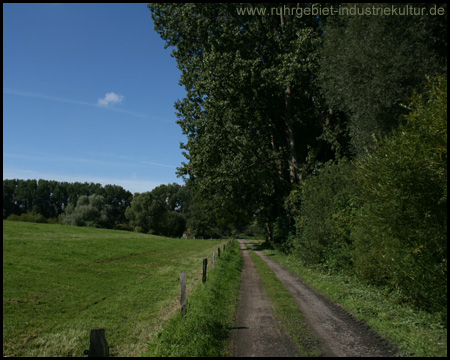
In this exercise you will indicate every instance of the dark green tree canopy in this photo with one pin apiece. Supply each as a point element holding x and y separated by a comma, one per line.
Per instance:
<point>249,113</point>
<point>370,66</point>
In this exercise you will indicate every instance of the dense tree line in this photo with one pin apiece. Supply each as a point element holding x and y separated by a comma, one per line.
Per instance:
<point>160,211</point>
<point>169,210</point>
<point>310,126</point>
<point>53,199</point>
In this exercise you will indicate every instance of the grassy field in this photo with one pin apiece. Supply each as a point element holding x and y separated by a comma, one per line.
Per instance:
<point>61,281</point>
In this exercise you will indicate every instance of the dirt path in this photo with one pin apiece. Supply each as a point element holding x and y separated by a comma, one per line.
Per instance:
<point>256,332</point>
<point>339,333</point>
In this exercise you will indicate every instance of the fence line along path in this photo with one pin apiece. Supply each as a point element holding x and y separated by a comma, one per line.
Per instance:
<point>99,346</point>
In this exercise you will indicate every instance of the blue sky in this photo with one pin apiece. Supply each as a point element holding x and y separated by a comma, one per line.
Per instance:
<point>88,95</point>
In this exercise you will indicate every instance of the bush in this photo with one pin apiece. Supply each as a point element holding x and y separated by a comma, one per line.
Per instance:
<point>28,217</point>
<point>89,211</point>
<point>254,230</point>
<point>281,235</point>
<point>324,207</point>
<point>54,220</point>
<point>124,227</point>
<point>400,235</point>
<point>146,213</point>
<point>139,229</point>
<point>175,224</point>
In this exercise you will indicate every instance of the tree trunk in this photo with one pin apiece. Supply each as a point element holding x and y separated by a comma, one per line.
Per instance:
<point>273,130</point>
<point>269,233</point>
<point>293,163</point>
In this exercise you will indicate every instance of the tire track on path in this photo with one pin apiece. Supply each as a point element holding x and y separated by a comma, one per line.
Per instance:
<point>339,333</point>
<point>256,332</point>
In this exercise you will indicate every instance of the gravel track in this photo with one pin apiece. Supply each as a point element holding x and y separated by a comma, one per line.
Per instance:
<point>256,333</point>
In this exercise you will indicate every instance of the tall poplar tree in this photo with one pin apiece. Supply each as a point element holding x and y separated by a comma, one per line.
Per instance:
<point>250,114</point>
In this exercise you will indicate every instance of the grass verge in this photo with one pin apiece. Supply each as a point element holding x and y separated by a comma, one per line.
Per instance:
<point>204,330</point>
<point>415,333</point>
<point>286,310</point>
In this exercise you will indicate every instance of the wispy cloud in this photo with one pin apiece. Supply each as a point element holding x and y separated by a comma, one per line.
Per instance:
<point>45,97</point>
<point>94,158</point>
<point>157,164</point>
<point>110,98</point>
<point>55,158</point>
<point>129,159</point>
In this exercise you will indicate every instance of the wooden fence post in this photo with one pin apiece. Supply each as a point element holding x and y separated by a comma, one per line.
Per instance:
<point>218,252</point>
<point>183,301</point>
<point>205,264</point>
<point>214,259</point>
<point>98,347</point>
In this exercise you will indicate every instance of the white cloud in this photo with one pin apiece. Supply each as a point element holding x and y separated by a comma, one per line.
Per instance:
<point>110,98</point>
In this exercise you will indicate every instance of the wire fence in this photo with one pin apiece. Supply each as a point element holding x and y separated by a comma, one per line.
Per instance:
<point>99,341</point>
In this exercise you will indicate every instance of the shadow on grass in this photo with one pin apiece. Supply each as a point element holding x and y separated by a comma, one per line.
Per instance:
<point>265,245</point>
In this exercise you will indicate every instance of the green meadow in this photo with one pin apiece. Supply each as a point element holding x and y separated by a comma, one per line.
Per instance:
<point>61,281</point>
